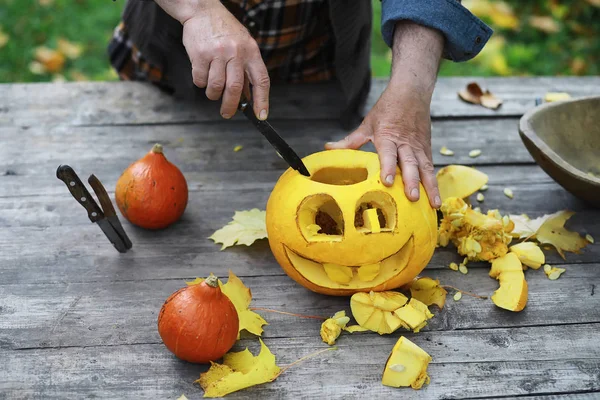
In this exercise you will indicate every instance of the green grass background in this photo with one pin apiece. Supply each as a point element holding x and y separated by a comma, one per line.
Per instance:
<point>574,49</point>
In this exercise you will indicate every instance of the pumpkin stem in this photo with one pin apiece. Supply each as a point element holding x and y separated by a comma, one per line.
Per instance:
<point>157,148</point>
<point>212,281</point>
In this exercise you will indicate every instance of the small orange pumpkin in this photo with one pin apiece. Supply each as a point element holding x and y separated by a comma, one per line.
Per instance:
<point>152,192</point>
<point>199,323</point>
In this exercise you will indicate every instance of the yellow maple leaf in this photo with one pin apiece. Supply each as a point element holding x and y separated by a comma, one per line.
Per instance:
<point>240,296</point>
<point>245,228</point>
<point>428,291</point>
<point>239,370</point>
<point>553,232</point>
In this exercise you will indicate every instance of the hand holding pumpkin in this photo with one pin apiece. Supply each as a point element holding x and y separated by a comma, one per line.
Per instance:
<point>399,124</point>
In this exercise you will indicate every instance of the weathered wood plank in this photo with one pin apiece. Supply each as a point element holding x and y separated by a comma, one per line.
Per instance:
<point>209,146</point>
<point>116,313</point>
<point>95,103</point>
<point>52,233</point>
<point>352,371</point>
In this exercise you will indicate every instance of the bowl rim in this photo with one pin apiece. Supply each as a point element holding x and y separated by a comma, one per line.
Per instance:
<point>526,129</point>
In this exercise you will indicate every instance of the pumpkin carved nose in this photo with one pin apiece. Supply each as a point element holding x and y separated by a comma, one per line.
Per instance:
<point>376,212</point>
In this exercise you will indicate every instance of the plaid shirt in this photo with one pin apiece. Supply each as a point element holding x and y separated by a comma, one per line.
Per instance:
<point>294,37</point>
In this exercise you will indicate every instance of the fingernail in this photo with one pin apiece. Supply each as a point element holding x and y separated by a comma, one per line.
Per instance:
<point>415,193</point>
<point>437,201</point>
<point>263,115</point>
<point>389,179</point>
<point>226,116</point>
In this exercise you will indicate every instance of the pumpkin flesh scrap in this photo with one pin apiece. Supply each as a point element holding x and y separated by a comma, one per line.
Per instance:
<point>428,291</point>
<point>480,237</point>
<point>406,366</point>
<point>513,290</point>
<point>529,254</point>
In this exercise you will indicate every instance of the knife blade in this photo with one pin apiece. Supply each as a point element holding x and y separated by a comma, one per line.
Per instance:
<point>109,210</point>
<point>78,190</point>
<point>280,145</point>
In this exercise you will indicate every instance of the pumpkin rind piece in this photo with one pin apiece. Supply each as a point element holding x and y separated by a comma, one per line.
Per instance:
<point>459,181</point>
<point>406,366</point>
<point>529,253</point>
<point>513,291</point>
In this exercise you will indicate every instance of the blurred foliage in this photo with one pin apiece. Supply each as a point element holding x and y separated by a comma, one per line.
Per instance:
<point>534,37</point>
<point>43,40</point>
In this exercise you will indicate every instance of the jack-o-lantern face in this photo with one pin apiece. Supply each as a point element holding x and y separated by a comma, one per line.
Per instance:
<point>341,231</point>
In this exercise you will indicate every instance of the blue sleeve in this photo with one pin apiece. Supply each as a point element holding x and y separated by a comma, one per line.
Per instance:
<point>465,33</point>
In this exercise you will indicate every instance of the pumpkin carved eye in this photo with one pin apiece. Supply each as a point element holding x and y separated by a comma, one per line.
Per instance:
<point>320,219</point>
<point>375,212</point>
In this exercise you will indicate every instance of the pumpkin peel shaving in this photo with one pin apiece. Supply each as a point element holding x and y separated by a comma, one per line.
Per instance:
<point>459,181</point>
<point>240,296</point>
<point>513,290</point>
<point>244,229</point>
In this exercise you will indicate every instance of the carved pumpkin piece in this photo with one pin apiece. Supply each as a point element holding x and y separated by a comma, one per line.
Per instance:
<point>341,230</point>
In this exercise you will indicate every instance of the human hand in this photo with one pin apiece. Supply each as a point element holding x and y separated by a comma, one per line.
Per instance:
<point>225,58</point>
<point>399,124</point>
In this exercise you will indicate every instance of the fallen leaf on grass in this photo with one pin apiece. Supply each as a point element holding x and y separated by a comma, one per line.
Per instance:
<point>69,49</point>
<point>3,38</point>
<point>475,95</point>
<point>239,370</point>
<point>52,60</point>
<point>245,228</point>
<point>543,23</point>
<point>240,296</point>
<point>428,291</point>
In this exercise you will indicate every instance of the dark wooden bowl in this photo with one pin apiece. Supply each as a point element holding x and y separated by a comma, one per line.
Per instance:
<point>564,139</point>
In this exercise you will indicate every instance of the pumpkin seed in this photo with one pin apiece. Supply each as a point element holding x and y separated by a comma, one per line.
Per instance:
<point>589,238</point>
<point>480,197</point>
<point>477,209</point>
<point>237,148</point>
<point>457,296</point>
<point>508,193</point>
<point>453,266</point>
<point>547,268</point>
<point>446,151</point>
<point>463,268</point>
<point>397,367</point>
<point>484,188</point>
<point>474,153</point>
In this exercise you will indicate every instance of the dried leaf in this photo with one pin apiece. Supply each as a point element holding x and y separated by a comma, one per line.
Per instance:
<point>475,95</point>
<point>553,232</point>
<point>240,296</point>
<point>245,228</point>
<point>70,49</point>
<point>428,291</point>
<point>52,60</point>
<point>239,370</point>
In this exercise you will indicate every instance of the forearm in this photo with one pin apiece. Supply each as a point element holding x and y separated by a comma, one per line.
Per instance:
<point>182,10</point>
<point>416,54</point>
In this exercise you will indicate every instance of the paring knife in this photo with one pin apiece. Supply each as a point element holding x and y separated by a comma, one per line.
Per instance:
<point>282,148</point>
<point>107,219</point>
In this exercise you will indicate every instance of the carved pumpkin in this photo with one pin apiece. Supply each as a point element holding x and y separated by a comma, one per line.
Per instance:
<point>341,231</point>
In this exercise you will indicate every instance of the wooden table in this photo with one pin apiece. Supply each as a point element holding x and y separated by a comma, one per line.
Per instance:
<point>78,319</point>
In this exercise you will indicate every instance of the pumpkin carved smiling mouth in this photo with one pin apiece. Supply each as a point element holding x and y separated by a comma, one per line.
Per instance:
<point>355,277</point>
